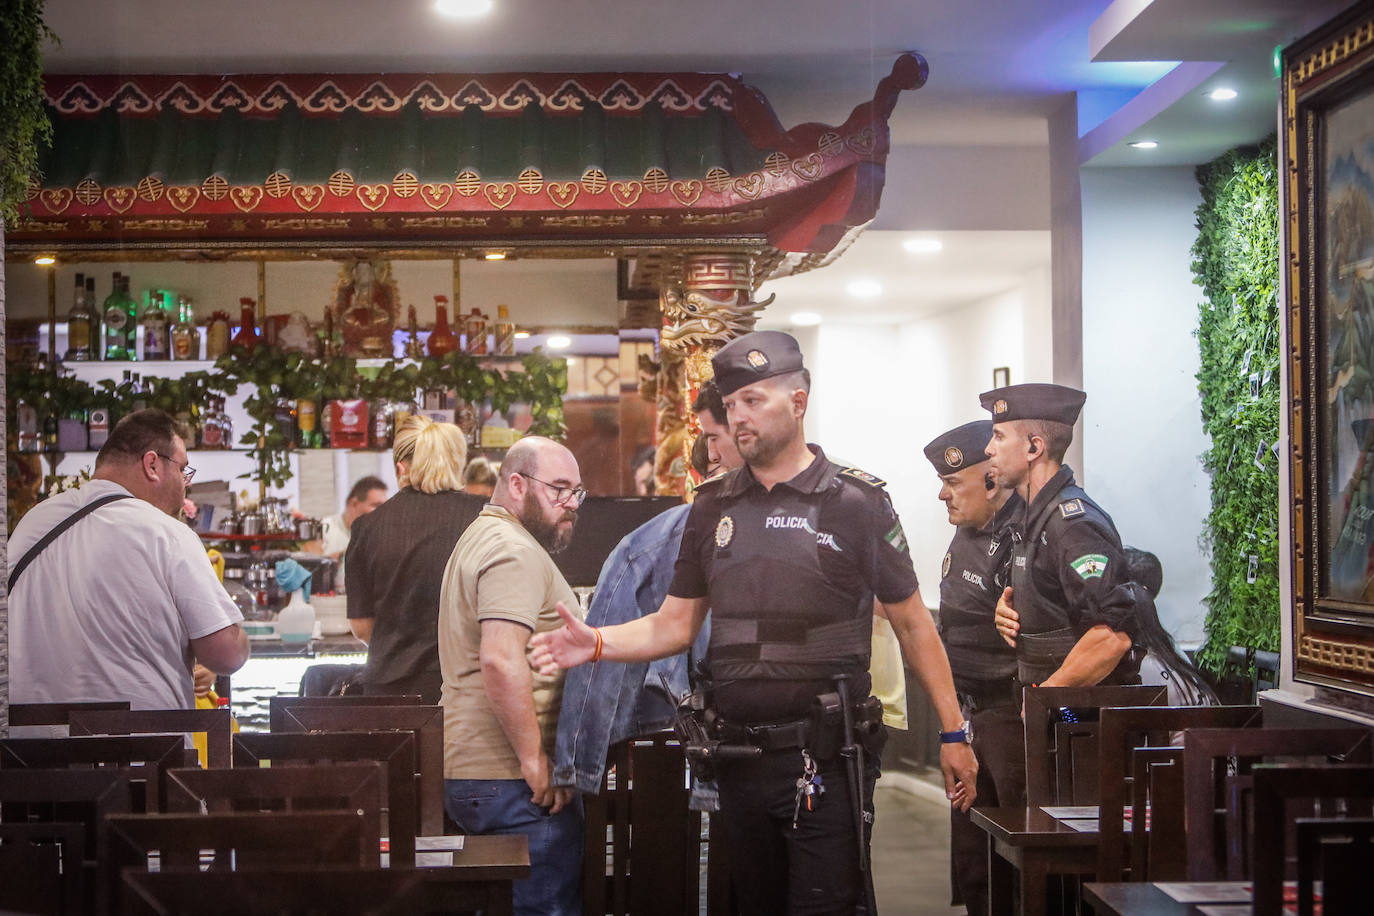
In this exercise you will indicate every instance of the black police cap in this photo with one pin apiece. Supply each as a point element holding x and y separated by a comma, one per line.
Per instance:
<point>961,447</point>
<point>754,357</point>
<point>1034,401</point>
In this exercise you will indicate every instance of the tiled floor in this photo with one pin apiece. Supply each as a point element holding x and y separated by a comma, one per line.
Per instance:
<point>911,854</point>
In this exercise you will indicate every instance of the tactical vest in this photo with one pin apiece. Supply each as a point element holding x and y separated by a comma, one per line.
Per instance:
<point>772,616</point>
<point>976,650</point>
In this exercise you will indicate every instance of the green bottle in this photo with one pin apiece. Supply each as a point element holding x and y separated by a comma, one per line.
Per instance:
<point>120,326</point>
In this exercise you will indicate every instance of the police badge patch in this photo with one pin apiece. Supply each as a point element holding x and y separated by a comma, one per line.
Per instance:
<point>1071,507</point>
<point>757,358</point>
<point>1090,566</point>
<point>999,407</point>
<point>944,567</point>
<point>953,457</point>
<point>725,531</point>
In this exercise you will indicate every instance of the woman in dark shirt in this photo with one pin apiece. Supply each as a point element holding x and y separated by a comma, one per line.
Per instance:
<point>396,559</point>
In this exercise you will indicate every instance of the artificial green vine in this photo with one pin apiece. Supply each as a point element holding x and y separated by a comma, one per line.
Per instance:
<point>24,125</point>
<point>1236,262</point>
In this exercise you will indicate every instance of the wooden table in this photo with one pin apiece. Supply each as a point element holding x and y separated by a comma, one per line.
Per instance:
<point>1130,898</point>
<point>487,866</point>
<point>1029,841</point>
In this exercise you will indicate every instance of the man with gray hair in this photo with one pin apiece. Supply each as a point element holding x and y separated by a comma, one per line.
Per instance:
<point>501,718</point>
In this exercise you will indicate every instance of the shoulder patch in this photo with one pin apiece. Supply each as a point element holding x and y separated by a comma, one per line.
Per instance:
<point>1090,566</point>
<point>1070,508</point>
<point>862,477</point>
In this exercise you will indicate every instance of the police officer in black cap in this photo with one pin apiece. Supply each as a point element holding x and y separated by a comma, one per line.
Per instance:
<point>972,577</point>
<point>788,554</point>
<point>1070,609</point>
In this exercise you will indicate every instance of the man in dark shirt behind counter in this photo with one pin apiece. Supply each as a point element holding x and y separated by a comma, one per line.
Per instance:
<point>788,553</point>
<point>984,667</point>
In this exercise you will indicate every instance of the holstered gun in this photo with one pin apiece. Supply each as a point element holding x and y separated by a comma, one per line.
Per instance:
<point>693,726</point>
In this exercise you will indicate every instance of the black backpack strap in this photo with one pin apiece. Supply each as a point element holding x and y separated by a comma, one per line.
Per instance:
<point>52,535</point>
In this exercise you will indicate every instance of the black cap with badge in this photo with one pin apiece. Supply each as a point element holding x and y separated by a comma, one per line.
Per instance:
<point>753,358</point>
<point>1034,401</point>
<point>961,447</point>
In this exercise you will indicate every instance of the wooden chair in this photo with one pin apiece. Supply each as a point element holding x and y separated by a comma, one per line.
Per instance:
<point>42,868</point>
<point>214,723</point>
<point>148,758</point>
<point>278,705</point>
<point>395,750</point>
<point>1340,854</point>
<point>355,787</point>
<point>1324,791</point>
<point>1157,798</point>
<point>426,722</point>
<point>25,714</point>
<point>1218,765</point>
<point>67,797</point>
<point>1061,751</point>
<point>1120,731</point>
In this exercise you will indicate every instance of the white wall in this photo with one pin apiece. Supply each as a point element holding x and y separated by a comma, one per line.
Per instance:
<point>1142,426</point>
<point>880,393</point>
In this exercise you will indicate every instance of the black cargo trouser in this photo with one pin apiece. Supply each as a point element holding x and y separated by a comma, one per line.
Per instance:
<point>809,871</point>
<point>999,745</point>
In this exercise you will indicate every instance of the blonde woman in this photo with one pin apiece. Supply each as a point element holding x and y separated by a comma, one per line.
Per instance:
<point>396,560</point>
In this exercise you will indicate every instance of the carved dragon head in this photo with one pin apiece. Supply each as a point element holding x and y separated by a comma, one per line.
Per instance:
<point>698,319</point>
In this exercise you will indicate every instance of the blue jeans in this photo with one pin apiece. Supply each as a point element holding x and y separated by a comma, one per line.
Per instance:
<point>503,806</point>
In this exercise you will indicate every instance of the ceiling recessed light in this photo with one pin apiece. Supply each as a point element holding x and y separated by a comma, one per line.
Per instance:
<point>805,319</point>
<point>1222,95</point>
<point>1144,144</point>
<point>522,335</point>
<point>462,9</point>
<point>45,260</point>
<point>559,342</point>
<point>920,245</point>
<point>864,289</point>
<point>495,256</point>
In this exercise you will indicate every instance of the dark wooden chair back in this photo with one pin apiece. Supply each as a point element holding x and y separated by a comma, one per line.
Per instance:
<point>278,705</point>
<point>426,722</point>
<point>1217,786</point>
<point>1120,731</point>
<point>1061,749</point>
<point>58,713</point>
<point>43,869</point>
<point>355,787</point>
<point>82,797</point>
<point>148,758</point>
<point>394,750</point>
<point>1157,801</point>
<point>214,723</point>
<point>1284,790</point>
<point>1340,854</point>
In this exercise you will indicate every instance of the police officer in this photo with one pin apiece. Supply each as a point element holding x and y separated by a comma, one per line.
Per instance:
<point>788,553</point>
<point>1070,608</point>
<point>971,579</point>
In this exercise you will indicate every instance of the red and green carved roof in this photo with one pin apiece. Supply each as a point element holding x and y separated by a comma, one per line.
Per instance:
<point>426,157</point>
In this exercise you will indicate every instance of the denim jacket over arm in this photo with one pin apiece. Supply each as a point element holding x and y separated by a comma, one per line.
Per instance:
<point>607,702</point>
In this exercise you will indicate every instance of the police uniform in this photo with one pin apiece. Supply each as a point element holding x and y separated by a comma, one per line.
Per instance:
<point>972,577</point>
<point>790,574</point>
<point>1068,571</point>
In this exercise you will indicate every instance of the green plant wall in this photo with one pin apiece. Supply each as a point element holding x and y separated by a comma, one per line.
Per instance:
<point>1236,262</point>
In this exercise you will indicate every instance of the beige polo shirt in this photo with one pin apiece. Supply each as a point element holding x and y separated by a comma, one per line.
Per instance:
<point>498,571</point>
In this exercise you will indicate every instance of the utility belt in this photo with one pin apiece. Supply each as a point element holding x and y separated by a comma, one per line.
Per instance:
<point>821,732</point>
<point>1038,655</point>
<point>977,696</point>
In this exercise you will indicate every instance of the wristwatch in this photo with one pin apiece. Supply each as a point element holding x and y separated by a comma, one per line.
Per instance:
<point>964,734</point>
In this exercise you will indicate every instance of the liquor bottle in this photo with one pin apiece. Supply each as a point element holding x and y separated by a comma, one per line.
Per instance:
<point>382,430</point>
<point>130,315</point>
<point>93,320</point>
<point>216,431</point>
<point>247,336</point>
<point>116,319</point>
<point>476,327</point>
<point>29,436</point>
<point>50,428</point>
<point>185,336</point>
<point>307,429</point>
<point>153,329</point>
<point>79,324</point>
<point>504,332</point>
<point>217,336</point>
<point>442,340</point>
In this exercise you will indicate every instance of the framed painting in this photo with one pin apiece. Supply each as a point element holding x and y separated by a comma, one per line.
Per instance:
<point>1328,146</point>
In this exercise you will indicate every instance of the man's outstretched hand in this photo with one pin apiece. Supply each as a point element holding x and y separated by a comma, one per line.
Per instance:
<point>570,645</point>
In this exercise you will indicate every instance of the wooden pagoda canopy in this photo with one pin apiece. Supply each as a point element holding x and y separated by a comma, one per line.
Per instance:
<point>429,160</point>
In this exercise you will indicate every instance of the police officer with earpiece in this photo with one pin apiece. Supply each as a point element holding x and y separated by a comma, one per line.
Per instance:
<point>971,580</point>
<point>788,554</point>
<point>1070,609</point>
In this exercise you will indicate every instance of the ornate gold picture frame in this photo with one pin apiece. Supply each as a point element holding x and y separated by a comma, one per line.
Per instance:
<point>1328,153</point>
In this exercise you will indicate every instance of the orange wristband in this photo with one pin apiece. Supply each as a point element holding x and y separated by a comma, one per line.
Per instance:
<point>600,644</point>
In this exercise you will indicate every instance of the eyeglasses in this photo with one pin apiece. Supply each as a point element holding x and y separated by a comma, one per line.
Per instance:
<point>187,472</point>
<point>562,495</point>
